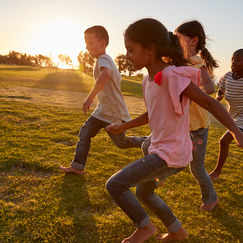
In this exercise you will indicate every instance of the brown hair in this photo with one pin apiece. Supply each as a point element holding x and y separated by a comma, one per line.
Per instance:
<point>150,31</point>
<point>192,29</point>
<point>99,31</point>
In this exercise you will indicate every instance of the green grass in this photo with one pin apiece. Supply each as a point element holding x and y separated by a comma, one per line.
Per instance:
<point>132,86</point>
<point>38,203</point>
<point>63,80</point>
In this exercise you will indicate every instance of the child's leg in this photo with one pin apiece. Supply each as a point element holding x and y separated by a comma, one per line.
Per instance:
<point>144,147</point>
<point>124,142</point>
<point>90,129</point>
<point>224,143</point>
<point>145,192</point>
<point>199,140</point>
<point>118,187</point>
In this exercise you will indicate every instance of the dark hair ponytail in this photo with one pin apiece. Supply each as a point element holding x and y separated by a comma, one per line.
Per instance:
<point>192,29</point>
<point>208,59</point>
<point>176,53</point>
<point>150,31</point>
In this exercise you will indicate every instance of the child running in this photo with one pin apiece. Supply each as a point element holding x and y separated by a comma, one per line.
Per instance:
<point>230,87</point>
<point>192,39</point>
<point>111,107</point>
<point>167,90</point>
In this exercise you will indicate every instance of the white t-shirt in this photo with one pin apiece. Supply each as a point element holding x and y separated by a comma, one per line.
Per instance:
<point>111,107</point>
<point>233,91</point>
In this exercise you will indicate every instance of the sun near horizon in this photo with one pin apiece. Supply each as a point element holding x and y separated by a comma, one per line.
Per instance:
<point>58,36</point>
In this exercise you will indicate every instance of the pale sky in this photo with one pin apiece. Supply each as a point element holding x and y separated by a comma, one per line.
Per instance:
<point>53,27</point>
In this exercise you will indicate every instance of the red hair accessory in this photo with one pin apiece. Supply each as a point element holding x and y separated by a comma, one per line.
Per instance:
<point>158,78</point>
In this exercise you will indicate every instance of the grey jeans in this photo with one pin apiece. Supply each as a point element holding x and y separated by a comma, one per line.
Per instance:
<point>89,130</point>
<point>143,174</point>
<point>199,140</point>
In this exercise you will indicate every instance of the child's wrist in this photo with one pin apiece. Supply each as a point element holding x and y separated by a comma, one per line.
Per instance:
<point>124,126</point>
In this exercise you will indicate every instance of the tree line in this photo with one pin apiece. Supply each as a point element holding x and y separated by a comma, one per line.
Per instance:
<point>18,58</point>
<point>86,62</point>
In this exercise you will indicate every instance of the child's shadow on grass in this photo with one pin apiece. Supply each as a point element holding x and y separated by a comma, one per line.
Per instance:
<point>76,204</point>
<point>232,225</point>
<point>62,81</point>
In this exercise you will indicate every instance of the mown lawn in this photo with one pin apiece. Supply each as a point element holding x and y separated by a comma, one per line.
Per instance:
<point>57,79</point>
<point>38,203</point>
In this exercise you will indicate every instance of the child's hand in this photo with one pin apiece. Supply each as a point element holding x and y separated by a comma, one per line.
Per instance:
<point>87,104</point>
<point>114,129</point>
<point>219,95</point>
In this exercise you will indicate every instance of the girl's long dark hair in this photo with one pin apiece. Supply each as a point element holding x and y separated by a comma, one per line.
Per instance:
<point>192,29</point>
<point>150,31</point>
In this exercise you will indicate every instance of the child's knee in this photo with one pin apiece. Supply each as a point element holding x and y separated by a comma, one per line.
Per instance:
<point>225,141</point>
<point>109,185</point>
<point>113,186</point>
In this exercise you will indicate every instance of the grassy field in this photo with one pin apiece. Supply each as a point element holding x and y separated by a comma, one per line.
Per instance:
<point>38,203</point>
<point>60,80</point>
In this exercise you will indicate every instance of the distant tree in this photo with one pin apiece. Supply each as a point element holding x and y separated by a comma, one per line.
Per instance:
<point>36,60</point>
<point>61,58</point>
<point>80,60</point>
<point>25,59</point>
<point>14,57</point>
<point>45,61</point>
<point>124,65</point>
<point>86,61</point>
<point>3,59</point>
<point>28,60</point>
<point>18,58</point>
<point>120,61</point>
<point>65,59</point>
<point>130,68</point>
<point>68,61</point>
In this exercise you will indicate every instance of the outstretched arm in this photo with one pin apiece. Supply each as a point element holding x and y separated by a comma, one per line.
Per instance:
<point>139,121</point>
<point>214,107</point>
<point>98,86</point>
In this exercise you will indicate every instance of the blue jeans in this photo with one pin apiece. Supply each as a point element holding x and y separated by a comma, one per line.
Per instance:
<point>143,174</point>
<point>89,130</point>
<point>199,140</point>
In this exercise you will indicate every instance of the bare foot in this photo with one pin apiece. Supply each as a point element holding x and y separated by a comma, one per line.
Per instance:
<point>71,170</point>
<point>209,207</point>
<point>214,176</point>
<point>181,234</point>
<point>141,234</point>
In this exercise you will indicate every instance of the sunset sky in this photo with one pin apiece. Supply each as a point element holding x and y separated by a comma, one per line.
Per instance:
<point>56,27</point>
